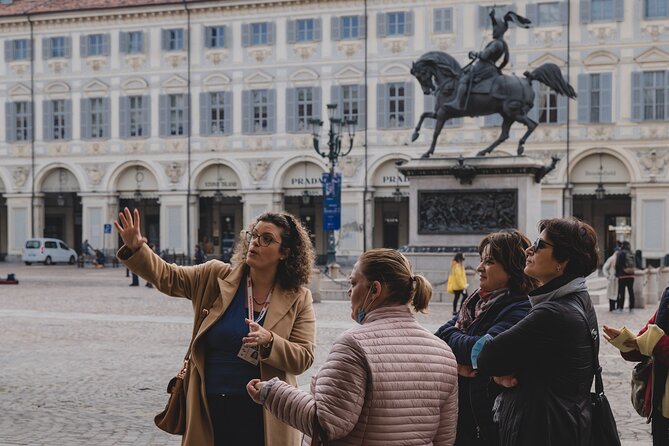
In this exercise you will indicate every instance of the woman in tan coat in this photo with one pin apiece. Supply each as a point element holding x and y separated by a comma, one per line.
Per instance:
<point>258,323</point>
<point>388,381</point>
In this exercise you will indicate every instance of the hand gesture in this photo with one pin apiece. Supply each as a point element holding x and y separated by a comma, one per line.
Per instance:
<point>467,371</point>
<point>129,229</point>
<point>507,381</point>
<point>610,333</point>
<point>253,388</point>
<point>257,336</point>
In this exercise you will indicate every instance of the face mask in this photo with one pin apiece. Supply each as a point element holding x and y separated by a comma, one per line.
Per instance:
<point>360,314</point>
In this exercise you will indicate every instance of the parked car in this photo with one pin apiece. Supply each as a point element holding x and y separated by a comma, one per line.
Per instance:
<point>47,250</point>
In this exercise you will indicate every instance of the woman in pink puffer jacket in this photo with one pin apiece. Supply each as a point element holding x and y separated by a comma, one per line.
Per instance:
<point>388,381</point>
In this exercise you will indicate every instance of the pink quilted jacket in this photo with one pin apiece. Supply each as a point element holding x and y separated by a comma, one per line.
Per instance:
<point>386,382</point>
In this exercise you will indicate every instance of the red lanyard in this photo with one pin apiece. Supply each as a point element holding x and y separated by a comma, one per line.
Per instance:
<point>249,298</point>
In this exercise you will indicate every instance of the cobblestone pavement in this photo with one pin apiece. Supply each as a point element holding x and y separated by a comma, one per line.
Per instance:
<point>84,359</point>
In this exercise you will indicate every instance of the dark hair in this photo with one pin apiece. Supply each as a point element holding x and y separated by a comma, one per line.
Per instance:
<point>459,257</point>
<point>295,270</point>
<point>393,270</point>
<point>508,247</point>
<point>574,241</point>
<point>626,245</point>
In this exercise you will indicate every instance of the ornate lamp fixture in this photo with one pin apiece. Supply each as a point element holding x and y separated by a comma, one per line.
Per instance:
<point>600,192</point>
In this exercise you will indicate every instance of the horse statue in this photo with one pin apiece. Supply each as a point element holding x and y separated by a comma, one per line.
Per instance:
<point>511,96</point>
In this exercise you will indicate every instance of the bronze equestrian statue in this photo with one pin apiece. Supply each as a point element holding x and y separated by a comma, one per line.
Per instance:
<point>481,88</point>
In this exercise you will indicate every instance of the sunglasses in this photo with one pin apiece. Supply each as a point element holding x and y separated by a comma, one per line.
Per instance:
<point>540,244</point>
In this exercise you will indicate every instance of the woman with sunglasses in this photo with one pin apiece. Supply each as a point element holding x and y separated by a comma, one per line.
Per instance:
<point>257,321</point>
<point>546,359</point>
<point>499,303</point>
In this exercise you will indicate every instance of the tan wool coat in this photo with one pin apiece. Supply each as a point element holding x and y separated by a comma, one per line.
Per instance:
<point>290,317</point>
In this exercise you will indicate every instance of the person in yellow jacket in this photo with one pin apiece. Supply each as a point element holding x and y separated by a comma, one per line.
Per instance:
<point>457,280</point>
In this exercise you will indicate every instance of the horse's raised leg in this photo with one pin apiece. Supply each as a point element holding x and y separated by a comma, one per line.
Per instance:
<point>506,126</point>
<point>416,131</point>
<point>441,118</point>
<point>531,125</point>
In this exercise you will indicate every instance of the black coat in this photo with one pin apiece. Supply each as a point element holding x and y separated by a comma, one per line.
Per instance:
<point>550,352</point>
<point>477,395</point>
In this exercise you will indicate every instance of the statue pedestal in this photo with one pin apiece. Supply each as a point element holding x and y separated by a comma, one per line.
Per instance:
<point>455,202</point>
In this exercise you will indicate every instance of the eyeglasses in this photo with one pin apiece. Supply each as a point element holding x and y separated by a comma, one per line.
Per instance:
<point>540,243</point>
<point>264,240</point>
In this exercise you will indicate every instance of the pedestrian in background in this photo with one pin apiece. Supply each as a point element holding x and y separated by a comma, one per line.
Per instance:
<point>625,269</point>
<point>199,256</point>
<point>496,306</point>
<point>258,322</point>
<point>546,359</point>
<point>651,342</point>
<point>387,381</point>
<point>457,280</point>
<point>609,270</point>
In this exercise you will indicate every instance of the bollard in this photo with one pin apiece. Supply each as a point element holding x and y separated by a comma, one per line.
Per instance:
<point>640,279</point>
<point>334,270</point>
<point>650,289</point>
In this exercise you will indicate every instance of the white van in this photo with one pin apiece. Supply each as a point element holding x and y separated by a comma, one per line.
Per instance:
<point>47,250</point>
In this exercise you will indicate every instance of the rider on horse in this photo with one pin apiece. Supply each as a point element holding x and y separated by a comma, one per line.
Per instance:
<point>485,66</point>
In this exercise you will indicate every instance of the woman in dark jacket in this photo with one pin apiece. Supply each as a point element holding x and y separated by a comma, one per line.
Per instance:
<point>500,302</point>
<point>546,359</point>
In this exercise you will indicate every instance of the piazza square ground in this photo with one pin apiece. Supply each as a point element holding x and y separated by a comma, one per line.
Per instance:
<point>85,358</point>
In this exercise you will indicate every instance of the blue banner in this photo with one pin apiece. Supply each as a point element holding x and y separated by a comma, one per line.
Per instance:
<point>331,201</point>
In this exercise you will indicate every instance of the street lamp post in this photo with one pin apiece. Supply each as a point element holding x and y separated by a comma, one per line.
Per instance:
<point>334,152</point>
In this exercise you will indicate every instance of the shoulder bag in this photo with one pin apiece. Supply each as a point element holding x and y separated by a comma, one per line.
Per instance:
<point>640,374</point>
<point>173,419</point>
<point>604,429</point>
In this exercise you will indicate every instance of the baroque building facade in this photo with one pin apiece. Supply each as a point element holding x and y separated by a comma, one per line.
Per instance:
<point>198,113</point>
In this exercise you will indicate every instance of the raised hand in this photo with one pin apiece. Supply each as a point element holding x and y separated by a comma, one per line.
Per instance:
<point>129,230</point>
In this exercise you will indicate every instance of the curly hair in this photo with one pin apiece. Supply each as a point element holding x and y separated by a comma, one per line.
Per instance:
<point>574,241</point>
<point>295,270</point>
<point>393,270</point>
<point>508,247</point>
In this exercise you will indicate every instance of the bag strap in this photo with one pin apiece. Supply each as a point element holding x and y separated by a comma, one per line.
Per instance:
<point>203,312</point>
<point>599,384</point>
<point>318,436</point>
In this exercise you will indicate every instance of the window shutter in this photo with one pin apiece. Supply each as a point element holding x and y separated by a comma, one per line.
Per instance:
<point>316,109</point>
<point>208,35</point>
<point>68,118</point>
<point>533,114</point>
<point>227,112</point>
<point>564,12</point>
<point>105,45</point>
<point>68,47</point>
<point>291,32</point>
<point>562,104</point>
<point>583,98</point>
<point>408,23</point>
<point>186,35</point>
<point>29,51</point>
<point>382,106</point>
<point>164,115</point>
<point>335,23</point>
<point>408,105</point>
<point>227,39</point>
<point>165,39</point>
<point>146,116</point>
<point>362,107</point>
<point>532,13</point>
<point>438,21</point>
<point>47,123</point>
<point>271,33</point>
<point>271,110</point>
<point>318,30</point>
<point>123,42</point>
<point>381,30</point>
<point>362,23</point>
<point>335,97</point>
<point>83,46</point>
<point>246,35</point>
<point>31,135</point>
<point>247,111</point>
<point>428,107</point>
<point>605,97</point>
<point>124,116</point>
<point>106,118</point>
<point>291,110</point>
<point>9,50</point>
<point>637,106</point>
<point>85,118</point>
<point>10,118</point>
<point>187,118</point>
<point>205,113</point>
<point>666,95</point>
<point>618,10</point>
<point>585,11</point>
<point>143,42</point>
<point>46,48</point>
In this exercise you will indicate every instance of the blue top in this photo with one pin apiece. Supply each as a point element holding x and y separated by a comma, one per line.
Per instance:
<point>224,371</point>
